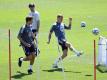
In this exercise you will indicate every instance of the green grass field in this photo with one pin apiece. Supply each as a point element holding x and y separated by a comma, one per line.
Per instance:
<point>12,15</point>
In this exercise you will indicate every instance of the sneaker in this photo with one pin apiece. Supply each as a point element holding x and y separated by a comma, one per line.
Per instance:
<point>80,53</point>
<point>20,62</point>
<point>55,66</point>
<point>30,71</point>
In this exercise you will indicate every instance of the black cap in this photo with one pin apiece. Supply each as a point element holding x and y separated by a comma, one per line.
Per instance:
<point>31,5</point>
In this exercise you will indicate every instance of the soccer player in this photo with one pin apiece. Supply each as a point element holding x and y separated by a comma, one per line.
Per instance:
<point>36,22</point>
<point>58,28</point>
<point>25,37</point>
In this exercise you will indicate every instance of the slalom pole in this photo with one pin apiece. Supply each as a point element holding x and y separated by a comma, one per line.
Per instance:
<point>9,55</point>
<point>94,60</point>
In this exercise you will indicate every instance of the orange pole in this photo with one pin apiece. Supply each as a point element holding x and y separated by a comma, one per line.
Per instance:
<point>9,56</point>
<point>94,60</point>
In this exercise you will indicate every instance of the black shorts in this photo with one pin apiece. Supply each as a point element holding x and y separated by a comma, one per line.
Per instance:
<point>63,45</point>
<point>29,50</point>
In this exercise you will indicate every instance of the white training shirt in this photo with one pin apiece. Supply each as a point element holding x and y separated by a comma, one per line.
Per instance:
<point>36,17</point>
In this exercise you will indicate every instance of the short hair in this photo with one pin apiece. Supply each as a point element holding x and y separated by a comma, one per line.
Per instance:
<point>29,18</point>
<point>59,15</point>
<point>31,5</point>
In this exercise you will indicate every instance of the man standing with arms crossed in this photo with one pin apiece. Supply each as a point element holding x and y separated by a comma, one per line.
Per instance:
<point>35,24</point>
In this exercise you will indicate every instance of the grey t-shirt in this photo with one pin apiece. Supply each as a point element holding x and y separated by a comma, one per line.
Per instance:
<point>59,29</point>
<point>26,34</point>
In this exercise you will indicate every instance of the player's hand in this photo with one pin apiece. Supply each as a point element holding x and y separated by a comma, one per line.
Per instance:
<point>33,42</point>
<point>28,45</point>
<point>70,19</point>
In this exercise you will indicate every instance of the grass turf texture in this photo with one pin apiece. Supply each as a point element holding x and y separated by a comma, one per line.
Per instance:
<point>12,14</point>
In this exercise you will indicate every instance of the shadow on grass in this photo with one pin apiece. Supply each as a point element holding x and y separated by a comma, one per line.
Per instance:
<point>59,70</point>
<point>102,69</point>
<point>19,75</point>
<point>88,75</point>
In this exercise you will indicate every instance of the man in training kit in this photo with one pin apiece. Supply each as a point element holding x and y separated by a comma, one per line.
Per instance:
<point>35,23</point>
<point>26,37</point>
<point>58,28</point>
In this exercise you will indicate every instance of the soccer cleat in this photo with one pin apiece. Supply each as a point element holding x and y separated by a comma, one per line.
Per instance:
<point>20,62</point>
<point>30,71</point>
<point>80,53</point>
<point>55,66</point>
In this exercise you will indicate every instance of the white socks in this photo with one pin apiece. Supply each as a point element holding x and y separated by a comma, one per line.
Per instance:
<point>74,50</point>
<point>56,61</point>
<point>21,59</point>
<point>30,66</point>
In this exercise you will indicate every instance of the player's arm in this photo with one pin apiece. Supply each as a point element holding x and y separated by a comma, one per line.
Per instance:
<point>50,34</point>
<point>70,24</point>
<point>38,22</point>
<point>49,37</point>
<point>38,25</point>
<point>21,40</point>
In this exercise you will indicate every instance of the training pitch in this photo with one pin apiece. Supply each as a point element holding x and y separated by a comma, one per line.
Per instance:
<point>12,15</point>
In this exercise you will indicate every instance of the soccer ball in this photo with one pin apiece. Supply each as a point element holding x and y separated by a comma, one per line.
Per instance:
<point>95,31</point>
<point>83,24</point>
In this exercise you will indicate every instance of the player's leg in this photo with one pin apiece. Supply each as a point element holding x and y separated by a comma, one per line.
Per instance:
<point>64,55</point>
<point>32,60</point>
<point>21,59</point>
<point>30,70</point>
<point>65,52</point>
<point>27,58</point>
<point>32,50</point>
<point>73,49</point>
